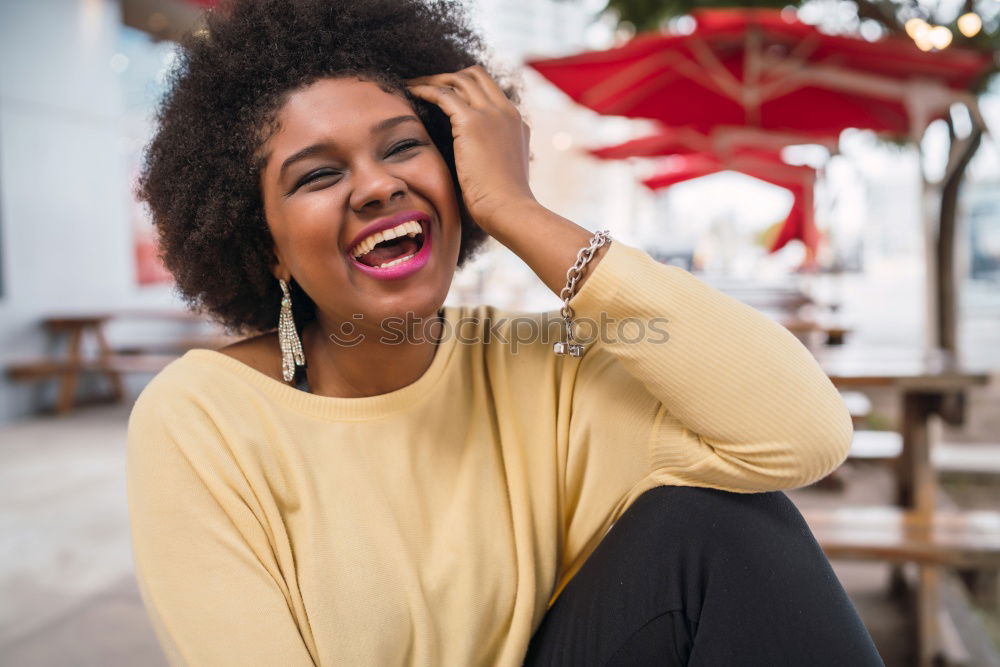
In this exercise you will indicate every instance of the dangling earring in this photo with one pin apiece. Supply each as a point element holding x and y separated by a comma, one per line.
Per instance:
<point>288,337</point>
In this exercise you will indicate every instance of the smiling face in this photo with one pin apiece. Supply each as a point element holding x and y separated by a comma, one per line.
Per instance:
<point>349,158</point>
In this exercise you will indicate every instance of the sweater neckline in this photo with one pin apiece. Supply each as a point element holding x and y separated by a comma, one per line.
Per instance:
<point>340,408</point>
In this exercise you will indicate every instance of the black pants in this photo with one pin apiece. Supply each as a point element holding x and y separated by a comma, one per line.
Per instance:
<point>694,576</point>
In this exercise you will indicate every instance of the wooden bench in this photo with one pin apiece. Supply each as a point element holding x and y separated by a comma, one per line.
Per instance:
<point>946,457</point>
<point>973,459</point>
<point>174,347</point>
<point>961,539</point>
<point>117,363</point>
<point>858,404</point>
<point>112,367</point>
<point>966,541</point>
<point>876,445</point>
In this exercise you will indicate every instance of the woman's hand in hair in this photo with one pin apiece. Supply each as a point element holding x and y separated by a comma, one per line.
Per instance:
<point>491,141</point>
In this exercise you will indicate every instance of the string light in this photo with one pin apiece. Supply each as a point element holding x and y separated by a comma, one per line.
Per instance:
<point>939,37</point>
<point>970,24</point>
<point>916,27</point>
<point>928,37</point>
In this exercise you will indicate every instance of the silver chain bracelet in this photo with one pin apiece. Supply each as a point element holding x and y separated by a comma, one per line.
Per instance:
<point>567,293</point>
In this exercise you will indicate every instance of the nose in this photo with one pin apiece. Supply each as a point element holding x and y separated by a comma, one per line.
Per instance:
<point>375,186</point>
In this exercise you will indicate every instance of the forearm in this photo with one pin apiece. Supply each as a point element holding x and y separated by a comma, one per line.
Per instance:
<point>548,243</point>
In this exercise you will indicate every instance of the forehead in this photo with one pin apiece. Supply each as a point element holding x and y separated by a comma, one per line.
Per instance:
<point>341,107</point>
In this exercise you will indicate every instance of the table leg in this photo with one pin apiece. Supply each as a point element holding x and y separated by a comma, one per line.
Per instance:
<point>916,483</point>
<point>905,477</point>
<point>928,605</point>
<point>918,438</point>
<point>67,386</point>
<point>114,378</point>
<point>917,490</point>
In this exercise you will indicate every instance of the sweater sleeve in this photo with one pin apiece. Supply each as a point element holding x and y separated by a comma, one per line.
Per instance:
<point>208,576</point>
<point>686,386</point>
<point>743,406</point>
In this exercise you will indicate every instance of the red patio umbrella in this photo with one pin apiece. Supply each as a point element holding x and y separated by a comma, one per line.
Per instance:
<point>800,222</point>
<point>762,68</point>
<point>666,141</point>
<point>720,141</point>
<point>758,153</point>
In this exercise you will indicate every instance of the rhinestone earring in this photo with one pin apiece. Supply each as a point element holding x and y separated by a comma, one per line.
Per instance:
<point>288,337</point>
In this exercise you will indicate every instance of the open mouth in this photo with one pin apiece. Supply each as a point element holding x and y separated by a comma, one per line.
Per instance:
<point>404,242</point>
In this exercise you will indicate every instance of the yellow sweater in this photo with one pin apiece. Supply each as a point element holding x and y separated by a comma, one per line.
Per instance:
<point>435,524</point>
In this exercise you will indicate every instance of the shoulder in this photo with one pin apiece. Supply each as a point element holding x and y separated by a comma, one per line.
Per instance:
<point>200,382</point>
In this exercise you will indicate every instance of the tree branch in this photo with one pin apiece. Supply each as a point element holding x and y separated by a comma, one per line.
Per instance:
<point>882,12</point>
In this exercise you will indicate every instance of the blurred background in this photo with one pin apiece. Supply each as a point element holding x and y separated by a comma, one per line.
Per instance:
<point>832,163</point>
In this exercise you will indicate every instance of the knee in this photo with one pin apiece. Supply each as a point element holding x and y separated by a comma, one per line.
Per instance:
<point>710,516</point>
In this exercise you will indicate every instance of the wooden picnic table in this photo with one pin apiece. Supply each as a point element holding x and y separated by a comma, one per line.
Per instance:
<point>107,361</point>
<point>929,385</point>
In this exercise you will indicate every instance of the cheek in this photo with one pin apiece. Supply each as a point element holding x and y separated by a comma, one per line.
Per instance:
<point>313,220</point>
<point>439,185</point>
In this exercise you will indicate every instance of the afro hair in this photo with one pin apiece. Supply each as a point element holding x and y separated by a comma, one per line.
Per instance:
<point>200,176</point>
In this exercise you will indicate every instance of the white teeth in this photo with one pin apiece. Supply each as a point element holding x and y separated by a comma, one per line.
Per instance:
<point>411,229</point>
<point>396,261</point>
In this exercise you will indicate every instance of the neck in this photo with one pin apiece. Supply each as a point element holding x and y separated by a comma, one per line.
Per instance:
<point>369,367</point>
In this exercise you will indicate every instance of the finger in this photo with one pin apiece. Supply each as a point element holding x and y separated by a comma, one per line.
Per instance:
<point>446,98</point>
<point>465,85</point>
<point>489,85</point>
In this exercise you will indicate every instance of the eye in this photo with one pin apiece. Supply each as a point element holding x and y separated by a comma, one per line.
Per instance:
<point>315,175</point>
<point>406,145</point>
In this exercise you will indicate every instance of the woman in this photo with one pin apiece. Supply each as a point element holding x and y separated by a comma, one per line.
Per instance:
<point>389,481</point>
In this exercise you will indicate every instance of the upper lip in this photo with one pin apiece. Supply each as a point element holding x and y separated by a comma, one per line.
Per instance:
<point>388,223</point>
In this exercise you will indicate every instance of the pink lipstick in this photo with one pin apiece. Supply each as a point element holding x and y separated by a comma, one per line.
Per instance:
<point>403,269</point>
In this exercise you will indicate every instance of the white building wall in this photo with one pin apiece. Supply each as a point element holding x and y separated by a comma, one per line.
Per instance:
<point>64,191</point>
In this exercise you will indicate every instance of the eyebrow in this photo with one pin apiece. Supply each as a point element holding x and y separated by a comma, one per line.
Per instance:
<point>381,126</point>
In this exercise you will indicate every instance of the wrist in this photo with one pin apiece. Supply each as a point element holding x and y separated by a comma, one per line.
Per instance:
<point>512,215</point>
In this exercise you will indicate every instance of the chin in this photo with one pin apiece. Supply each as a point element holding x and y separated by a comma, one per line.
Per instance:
<point>420,303</point>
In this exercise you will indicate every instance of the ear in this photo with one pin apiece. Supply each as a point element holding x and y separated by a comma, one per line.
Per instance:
<point>279,269</point>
